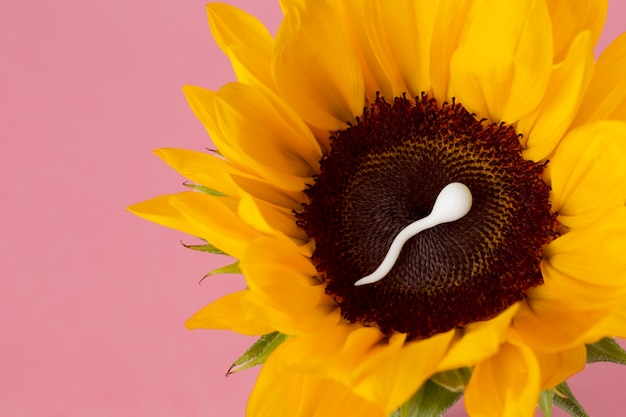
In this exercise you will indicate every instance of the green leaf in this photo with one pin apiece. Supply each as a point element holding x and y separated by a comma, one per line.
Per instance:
<point>565,400</point>
<point>203,189</point>
<point>455,380</point>
<point>205,248</point>
<point>258,353</point>
<point>545,402</point>
<point>606,350</point>
<point>432,400</point>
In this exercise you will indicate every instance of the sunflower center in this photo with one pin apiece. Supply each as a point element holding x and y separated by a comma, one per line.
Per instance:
<point>384,174</point>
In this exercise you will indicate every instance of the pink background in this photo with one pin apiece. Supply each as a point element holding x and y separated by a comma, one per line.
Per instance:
<point>92,299</point>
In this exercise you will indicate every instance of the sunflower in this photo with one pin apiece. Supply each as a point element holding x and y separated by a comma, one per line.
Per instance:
<point>426,199</point>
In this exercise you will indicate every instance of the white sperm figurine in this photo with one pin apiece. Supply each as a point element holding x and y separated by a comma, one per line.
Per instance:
<point>453,202</point>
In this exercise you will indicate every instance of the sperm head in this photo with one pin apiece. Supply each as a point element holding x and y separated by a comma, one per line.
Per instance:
<point>453,202</point>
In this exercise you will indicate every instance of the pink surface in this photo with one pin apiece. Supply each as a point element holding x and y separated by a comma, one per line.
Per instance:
<point>92,299</point>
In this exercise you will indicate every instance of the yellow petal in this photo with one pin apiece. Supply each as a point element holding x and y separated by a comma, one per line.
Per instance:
<point>286,5</point>
<point>266,191</point>
<point>479,340</point>
<point>300,323</point>
<point>426,12</point>
<point>588,173</point>
<point>300,394</point>
<point>245,40</point>
<point>270,220</point>
<point>502,65</point>
<point>579,294</point>
<point>571,17</point>
<point>282,281</point>
<point>338,400</point>
<point>202,168</point>
<point>401,42</point>
<point>160,210</point>
<point>451,20</point>
<point>545,126</point>
<point>593,254</point>
<point>214,220</point>
<point>374,77</point>
<point>321,354</point>
<point>314,67</point>
<point>613,326</point>
<point>280,394</point>
<point>281,255</point>
<point>292,300</point>
<point>550,326</point>
<point>275,141</point>
<point>360,345</point>
<point>557,367</point>
<point>232,312</point>
<point>606,95</point>
<point>389,377</point>
<point>381,370</point>
<point>506,384</point>
<point>203,103</point>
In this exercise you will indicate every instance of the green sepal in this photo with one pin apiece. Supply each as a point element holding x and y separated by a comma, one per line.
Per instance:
<point>565,400</point>
<point>258,353</point>
<point>455,380</point>
<point>205,248</point>
<point>203,189</point>
<point>432,400</point>
<point>546,399</point>
<point>606,350</point>
<point>226,269</point>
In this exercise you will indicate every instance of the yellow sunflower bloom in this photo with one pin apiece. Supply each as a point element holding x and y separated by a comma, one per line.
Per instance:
<point>338,144</point>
